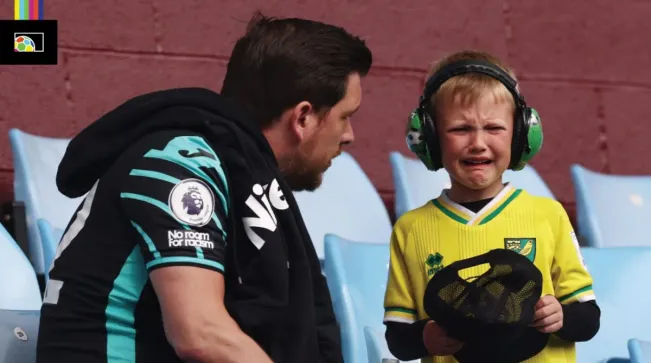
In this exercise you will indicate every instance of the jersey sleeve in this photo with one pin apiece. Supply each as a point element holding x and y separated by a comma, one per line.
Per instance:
<point>175,197</point>
<point>399,303</point>
<point>572,281</point>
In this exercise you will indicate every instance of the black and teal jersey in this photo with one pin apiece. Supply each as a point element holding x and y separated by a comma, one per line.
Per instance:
<point>164,202</point>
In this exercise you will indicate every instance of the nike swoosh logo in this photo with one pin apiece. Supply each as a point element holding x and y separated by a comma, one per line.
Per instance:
<point>197,154</point>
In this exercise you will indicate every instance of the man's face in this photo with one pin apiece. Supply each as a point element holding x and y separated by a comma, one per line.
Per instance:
<point>324,139</point>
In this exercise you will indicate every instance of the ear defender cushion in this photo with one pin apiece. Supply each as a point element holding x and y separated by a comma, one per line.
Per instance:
<point>416,138</point>
<point>432,140</point>
<point>518,143</point>
<point>534,137</point>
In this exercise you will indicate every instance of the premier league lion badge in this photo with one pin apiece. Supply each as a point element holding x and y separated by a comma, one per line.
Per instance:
<point>192,202</point>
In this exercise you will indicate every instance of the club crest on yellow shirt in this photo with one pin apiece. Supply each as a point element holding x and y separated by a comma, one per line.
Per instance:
<point>524,246</point>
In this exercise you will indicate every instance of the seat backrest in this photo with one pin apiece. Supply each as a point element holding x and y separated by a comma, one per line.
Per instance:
<point>376,346</point>
<point>415,185</point>
<point>357,277</point>
<point>346,204</point>
<point>19,288</point>
<point>612,210</point>
<point>18,335</point>
<point>640,351</point>
<point>620,281</point>
<point>36,160</point>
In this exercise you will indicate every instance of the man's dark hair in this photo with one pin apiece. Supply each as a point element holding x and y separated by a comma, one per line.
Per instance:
<point>281,62</point>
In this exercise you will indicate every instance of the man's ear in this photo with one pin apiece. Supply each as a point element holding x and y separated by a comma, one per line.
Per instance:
<point>302,120</point>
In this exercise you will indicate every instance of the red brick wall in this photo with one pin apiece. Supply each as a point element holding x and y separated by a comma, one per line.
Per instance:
<point>585,65</point>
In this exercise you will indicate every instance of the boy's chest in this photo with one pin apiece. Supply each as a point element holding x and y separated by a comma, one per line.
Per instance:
<point>439,247</point>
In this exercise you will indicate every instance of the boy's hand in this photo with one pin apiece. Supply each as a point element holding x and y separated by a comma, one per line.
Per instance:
<point>549,315</point>
<point>437,341</point>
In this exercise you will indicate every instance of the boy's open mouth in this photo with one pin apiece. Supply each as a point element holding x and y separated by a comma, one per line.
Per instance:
<point>477,161</point>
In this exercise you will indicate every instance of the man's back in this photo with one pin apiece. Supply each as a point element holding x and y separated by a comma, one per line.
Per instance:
<point>99,301</point>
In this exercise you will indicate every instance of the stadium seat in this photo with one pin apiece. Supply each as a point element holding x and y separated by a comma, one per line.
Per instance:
<point>20,303</point>
<point>612,210</point>
<point>346,204</point>
<point>621,280</point>
<point>19,288</point>
<point>376,345</point>
<point>36,160</point>
<point>357,277</point>
<point>415,185</point>
<point>18,335</point>
<point>640,351</point>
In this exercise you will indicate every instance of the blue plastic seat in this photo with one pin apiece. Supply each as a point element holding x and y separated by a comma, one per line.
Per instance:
<point>20,303</point>
<point>612,210</point>
<point>346,204</point>
<point>18,336</point>
<point>621,284</point>
<point>19,288</point>
<point>36,160</point>
<point>357,277</point>
<point>415,185</point>
<point>640,351</point>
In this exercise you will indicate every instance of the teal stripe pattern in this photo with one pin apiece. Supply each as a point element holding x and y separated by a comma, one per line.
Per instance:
<point>191,144</point>
<point>164,177</point>
<point>150,244</point>
<point>180,259</point>
<point>152,201</point>
<point>154,175</point>
<point>122,300</point>
<point>167,210</point>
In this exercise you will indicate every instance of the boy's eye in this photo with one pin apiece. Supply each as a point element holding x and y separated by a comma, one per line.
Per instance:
<point>460,129</point>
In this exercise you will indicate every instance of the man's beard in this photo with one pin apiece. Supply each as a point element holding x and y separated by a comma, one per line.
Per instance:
<point>300,176</point>
<point>303,174</point>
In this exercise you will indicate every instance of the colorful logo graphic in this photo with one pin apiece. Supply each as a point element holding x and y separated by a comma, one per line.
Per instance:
<point>28,42</point>
<point>24,44</point>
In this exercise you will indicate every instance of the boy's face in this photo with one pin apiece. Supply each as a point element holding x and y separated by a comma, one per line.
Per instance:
<point>476,144</point>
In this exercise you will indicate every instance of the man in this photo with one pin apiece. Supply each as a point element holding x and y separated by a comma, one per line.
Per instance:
<point>189,245</point>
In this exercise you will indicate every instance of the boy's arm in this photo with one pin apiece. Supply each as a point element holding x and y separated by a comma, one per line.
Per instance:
<point>404,333</point>
<point>580,321</point>
<point>573,285</point>
<point>405,340</point>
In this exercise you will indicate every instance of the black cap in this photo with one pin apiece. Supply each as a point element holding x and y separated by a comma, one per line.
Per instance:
<point>491,313</point>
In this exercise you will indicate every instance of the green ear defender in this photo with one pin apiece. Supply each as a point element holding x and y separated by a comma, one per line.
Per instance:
<point>416,140</point>
<point>423,140</point>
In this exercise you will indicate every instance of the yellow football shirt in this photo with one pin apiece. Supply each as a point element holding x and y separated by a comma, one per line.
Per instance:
<point>441,232</point>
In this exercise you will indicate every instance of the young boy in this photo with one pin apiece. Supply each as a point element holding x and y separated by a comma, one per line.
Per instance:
<point>472,122</point>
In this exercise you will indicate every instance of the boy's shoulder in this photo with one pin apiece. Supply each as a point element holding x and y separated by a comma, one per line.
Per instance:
<point>415,216</point>
<point>543,206</point>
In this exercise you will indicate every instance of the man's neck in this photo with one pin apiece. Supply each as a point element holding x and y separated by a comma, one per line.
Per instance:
<point>277,142</point>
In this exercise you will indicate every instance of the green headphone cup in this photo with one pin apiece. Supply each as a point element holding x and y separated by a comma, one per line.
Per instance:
<point>534,140</point>
<point>416,139</point>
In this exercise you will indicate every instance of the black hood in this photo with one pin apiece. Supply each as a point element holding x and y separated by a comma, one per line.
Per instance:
<point>95,148</point>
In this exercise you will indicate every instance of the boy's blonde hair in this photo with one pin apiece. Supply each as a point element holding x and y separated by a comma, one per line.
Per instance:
<point>468,88</point>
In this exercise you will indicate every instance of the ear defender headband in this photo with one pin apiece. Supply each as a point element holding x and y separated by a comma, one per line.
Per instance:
<point>422,137</point>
